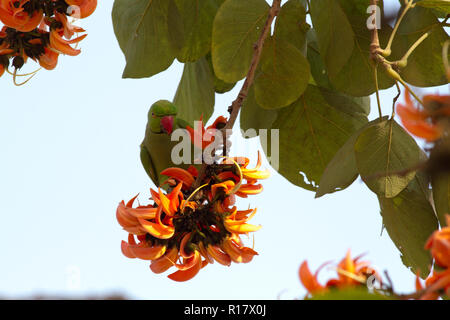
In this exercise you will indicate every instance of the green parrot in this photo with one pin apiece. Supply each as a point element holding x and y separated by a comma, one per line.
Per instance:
<point>157,146</point>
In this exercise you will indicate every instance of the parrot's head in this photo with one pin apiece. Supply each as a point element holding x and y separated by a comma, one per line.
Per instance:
<point>161,117</point>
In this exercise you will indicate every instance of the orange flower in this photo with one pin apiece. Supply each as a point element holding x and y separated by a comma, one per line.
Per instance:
<point>49,59</point>
<point>87,7</point>
<point>186,228</point>
<point>309,280</point>
<point>436,285</point>
<point>202,137</point>
<point>425,123</point>
<point>350,273</point>
<point>13,15</point>
<point>57,41</point>
<point>439,244</point>
<point>250,175</point>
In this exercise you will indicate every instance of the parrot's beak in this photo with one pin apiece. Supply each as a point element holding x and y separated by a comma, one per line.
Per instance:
<point>167,124</point>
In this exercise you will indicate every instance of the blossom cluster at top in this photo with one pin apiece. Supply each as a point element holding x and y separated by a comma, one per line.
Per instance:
<point>40,30</point>
<point>196,221</point>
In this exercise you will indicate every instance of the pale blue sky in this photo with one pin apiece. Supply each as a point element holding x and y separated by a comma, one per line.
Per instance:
<point>69,144</point>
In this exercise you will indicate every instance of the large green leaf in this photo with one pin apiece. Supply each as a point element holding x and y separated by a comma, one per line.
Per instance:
<point>283,74</point>
<point>382,151</point>
<point>143,35</point>
<point>195,93</point>
<point>342,169</point>
<point>441,196</point>
<point>409,219</point>
<point>356,78</point>
<point>254,117</point>
<point>440,5</point>
<point>190,26</point>
<point>220,86</point>
<point>291,24</point>
<point>236,29</point>
<point>334,33</point>
<point>311,131</point>
<point>425,65</point>
<point>318,69</point>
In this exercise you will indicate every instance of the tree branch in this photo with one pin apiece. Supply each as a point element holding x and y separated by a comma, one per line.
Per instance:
<point>237,103</point>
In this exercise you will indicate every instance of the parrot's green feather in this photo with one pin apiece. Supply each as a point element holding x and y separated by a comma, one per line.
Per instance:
<point>156,148</point>
<point>147,162</point>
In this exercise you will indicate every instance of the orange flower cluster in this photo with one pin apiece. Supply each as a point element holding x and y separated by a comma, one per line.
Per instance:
<point>429,123</point>
<point>40,30</point>
<point>350,273</point>
<point>189,227</point>
<point>439,282</point>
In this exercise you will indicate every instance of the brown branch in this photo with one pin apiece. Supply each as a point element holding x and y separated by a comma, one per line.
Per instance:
<point>237,103</point>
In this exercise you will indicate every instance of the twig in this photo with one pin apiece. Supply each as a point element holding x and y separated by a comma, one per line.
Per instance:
<point>376,53</point>
<point>387,51</point>
<point>375,76</point>
<point>394,101</point>
<point>237,103</point>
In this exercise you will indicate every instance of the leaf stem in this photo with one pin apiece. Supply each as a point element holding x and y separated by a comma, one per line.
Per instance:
<point>404,61</point>
<point>375,76</point>
<point>394,101</point>
<point>409,89</point>
<point>445,58</point>
<point>387,51</point>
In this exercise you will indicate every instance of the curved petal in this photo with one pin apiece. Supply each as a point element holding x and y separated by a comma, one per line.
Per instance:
<point>126,250</point>
<point>187,274</point>
<point>157,230</point>
<point>218,255</point>
<point>181,175</point>
<point>165,262</point>
<point>242,228</point>
<point>147,253</point>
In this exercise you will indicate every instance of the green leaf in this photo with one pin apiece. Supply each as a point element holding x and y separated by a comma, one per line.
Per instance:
<point>190,25</point>
<point>236,29</point>
<point>382,151</point>
<point>425,65</point>
<point>409,219</point>
<point>195,93</point>
<point>291,25</point>
<point>356,78</point>
<point>334,33</point>
<point>311,131</point>
<point>318,69</point>
<point>342,169</point>
<point>143,35</point>
<point>441,196</point>
<point>350,294</point>
<point>283,74</point>
<point>440,5</point>
<point>220,86</point>
<point>254,117</point>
